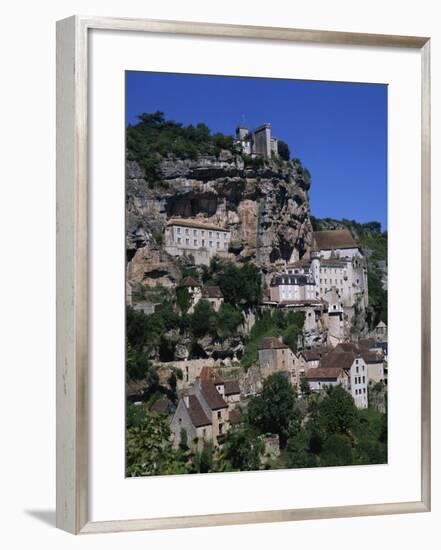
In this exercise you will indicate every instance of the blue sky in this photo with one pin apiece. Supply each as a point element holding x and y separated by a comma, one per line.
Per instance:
<point>338,130</point>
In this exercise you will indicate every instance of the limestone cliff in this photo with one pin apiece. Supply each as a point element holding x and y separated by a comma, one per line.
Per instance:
<point>264,206</point>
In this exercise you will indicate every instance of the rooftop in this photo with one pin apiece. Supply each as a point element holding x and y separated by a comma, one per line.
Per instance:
<point>271,342</point>
<point>212,292</point>
<point>213,398</point>
<point>338,359</point>
<point>338,238</point>
<point>189,281</point>
<point>196,412</point>
<point>232,387</point>
<point>185,222</point>
<point>324,373</point>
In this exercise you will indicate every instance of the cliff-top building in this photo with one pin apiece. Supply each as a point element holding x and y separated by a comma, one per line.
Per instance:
<point>258,141</point>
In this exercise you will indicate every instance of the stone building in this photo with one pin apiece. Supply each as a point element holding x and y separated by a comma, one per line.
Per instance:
<point>286,287</point>
<point>377,371</point>
<point>185,237</point>
<point>258,141</point>
<point>334,276</point>
<point>206,410</point>
<point>214,296</point>
<point>356,369</point>
<point>275,356</point>
<point>320,378</point>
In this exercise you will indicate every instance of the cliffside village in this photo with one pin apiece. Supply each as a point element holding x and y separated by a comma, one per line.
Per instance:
<point>329,285</point>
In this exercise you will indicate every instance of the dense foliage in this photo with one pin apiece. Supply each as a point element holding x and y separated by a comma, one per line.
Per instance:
<point>153,138</point>
<point>273,323</point>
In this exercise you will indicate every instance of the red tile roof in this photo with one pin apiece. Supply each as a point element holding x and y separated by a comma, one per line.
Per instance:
<point>232,387</point>
<point>271,342</point>
<point>213,398</point>
<point>370,357</point>
<point>196,412</point>
<point>339,238</point>
<point>345,346</point>
<point>195,223</point>
<point>338,359</point>
<point>234,416</point>
<point>212,292</point>
<point>189,281</point>
<point>324,373</point>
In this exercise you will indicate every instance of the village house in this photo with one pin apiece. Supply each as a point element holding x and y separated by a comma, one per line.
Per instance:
<point>258,141</point>
<point>310,358</point>
<point>377,372</point>
<point>206,410</point>
<point>356,369</point>
<point>275,356</point>
<point>214,296</point>
<point>202,240</point>
<point>380,332</point>
<point>321,378</point>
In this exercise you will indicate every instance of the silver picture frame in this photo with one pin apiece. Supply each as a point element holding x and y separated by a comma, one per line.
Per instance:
<point>72,491</point>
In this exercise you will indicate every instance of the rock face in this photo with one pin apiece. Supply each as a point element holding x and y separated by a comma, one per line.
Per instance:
<point>265,208</point>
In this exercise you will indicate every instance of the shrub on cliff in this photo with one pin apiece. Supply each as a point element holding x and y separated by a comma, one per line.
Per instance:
<point>154,137</point>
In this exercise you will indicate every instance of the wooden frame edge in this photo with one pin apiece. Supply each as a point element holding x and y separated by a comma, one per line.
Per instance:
<point>72,273</point>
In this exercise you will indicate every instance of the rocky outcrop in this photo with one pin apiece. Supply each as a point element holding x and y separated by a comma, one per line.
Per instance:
<point>265,208</point>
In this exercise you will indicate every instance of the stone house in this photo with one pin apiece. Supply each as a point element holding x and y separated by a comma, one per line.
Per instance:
<point>206,410</point>
<point>191,418</point>
<point>375,366</point>
<point>380,332</point>
<point>275,356</point>
<point>214,296</point>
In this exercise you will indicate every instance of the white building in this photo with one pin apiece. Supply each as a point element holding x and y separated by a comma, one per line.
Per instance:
<point>201,240</point>
<point>356,369</point>
<point>286,287</point>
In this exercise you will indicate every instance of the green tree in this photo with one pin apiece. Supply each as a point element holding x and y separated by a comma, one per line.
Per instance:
<point>272,411</point>
<point>337,451</point>
<point>203,320</point>
<point>243,448</point>
<point>183,299</point>
<point>149,450</point>
<point>283,150</point>
<point>228,320</point>
<point>337,412</point>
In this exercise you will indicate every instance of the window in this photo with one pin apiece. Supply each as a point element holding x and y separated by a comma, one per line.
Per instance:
<point>178,229</point>
<point>187,241</point>
<point>210,233</point>
<point>211,244</point>
<point>203,242</point>
<point>217,234</point>
<point>219,414</point>
<point>186,231</point>
<point>220,429</point>
<point>356,370</point>
<point>217,244</point>
<point>179,240</point>
<point>225,245</point>
<point>364,379</point>
<point>225,235</point>
<point>194,232</point>
<point>203,233</point>
<point>195,242</point>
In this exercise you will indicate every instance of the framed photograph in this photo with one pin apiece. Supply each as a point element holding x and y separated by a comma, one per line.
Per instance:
<point>243,274</point>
